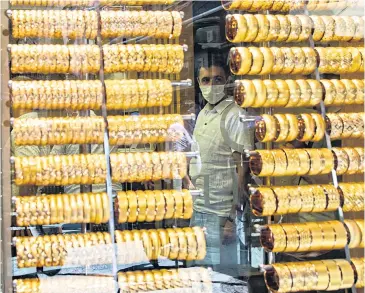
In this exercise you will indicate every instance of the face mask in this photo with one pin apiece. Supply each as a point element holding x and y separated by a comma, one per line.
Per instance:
<point>213,94</point>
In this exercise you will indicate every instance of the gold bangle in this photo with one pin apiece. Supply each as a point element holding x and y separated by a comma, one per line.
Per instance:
<point>361,153</point>
<point>333,197</point>
<point>257,61</point>
<point>283,127</point>
<point>263,28</point>
<point>341,92</point>
<point>274,28</point>
<point>292,237</point>
<point>330,92</point>
<point>240,60</point>
<point>342,160</point>
<point>244,93</point>
<point>285,282</point>
<point>252,27</point>
<point>341,234</point>
<point>348,126</point>
<point>284,93</point>
<point>305,93</point>
<point>319,28</point>
<point>272,93</point>
<point>354,160</point>
<point>279,60</point>
<point>268,61</point>
<point>336,125</point>
<point>327,161</point>
<point>361,224</point>
<point>307,127</point>
<point>307,197</point>
<point>266,128</point>
<point>311,60</point>
<point>351,91</point>
<point>347,272</point>
<point>315,161</point>
<point>236,28</point>
<point>306,27</point>
<point>320,127</point>
<point>355,234</point>
<point>300,60</point>
<point>289,60</point>
<point>295,93</point>
<point>293,161</point>
<point>280,163</point>
<point>359,83</point>
<point>359,266</point>
<point>260,90</point>
<point>282,200</point>
<point>305,162</point>
<point>329,235</point>
<point>305,237</point>
<point>262,164</point>
<point>335,275</point>
<point>273,238</point>
<point>284,28</point>
<point>297,276</point>
<point>293,127</point>
<point>320,199</point>
<point>264,202</point>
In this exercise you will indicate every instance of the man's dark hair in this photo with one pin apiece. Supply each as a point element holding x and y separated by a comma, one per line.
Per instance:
<point>211,58</point>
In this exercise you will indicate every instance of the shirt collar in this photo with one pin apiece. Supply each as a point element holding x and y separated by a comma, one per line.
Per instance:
<point>223,104</point>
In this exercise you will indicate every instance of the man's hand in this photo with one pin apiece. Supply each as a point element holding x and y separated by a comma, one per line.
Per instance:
<point>229,232</point>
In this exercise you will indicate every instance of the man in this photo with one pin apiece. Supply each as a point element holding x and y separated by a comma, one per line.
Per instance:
<point>220,171</point>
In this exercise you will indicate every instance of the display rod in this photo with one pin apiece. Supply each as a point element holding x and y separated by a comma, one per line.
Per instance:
<point>109,188</point>
<point>339,212</point>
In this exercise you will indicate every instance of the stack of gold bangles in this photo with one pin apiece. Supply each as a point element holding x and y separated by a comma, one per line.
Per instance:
<point>140,167</point>
<point>58,250</point>
<point>320,275</point>
<point>87,3</point>
<point>153,280</point>
<point>295,60</point>
<point>298,93</point>
<point>123,130</point>
<point>281,200</point>
<point>343,91</point>
<point>349,160</point>
<point>345,125</point>
<point>293,28</point>
<point>289,127</point>
<point>63,59</point>
<point>312,236</point>
<point>59,130</point>
<point>62,208</point>
<point>144,129</point>
<point>341,59</point>
<point>138,93</point>
<point>156,205</point>
<point>285,5</point>
<point>309,127</point>
<point>73,283</point>
<point>142,58</point>
<point>158,24</point>
<point>290,162</point>
<point>178,243</point>
<point>91,168</point>
<point>58,24</point>
<point>83,95</point>
<point>353,194</point>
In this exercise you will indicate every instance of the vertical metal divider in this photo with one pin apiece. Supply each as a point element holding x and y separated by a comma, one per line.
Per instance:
<point>109,187</point>
<point>339,213</point>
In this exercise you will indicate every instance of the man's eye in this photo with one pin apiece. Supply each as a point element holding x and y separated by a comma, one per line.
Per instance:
<point>205,80</point>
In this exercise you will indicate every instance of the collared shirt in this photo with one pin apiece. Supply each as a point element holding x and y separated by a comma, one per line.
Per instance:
<point>218,133</point>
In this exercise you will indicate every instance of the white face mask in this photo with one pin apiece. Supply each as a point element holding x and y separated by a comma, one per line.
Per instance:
<point>213,94</point>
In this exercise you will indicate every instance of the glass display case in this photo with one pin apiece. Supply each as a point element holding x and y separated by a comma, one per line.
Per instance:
<point>195,146</point>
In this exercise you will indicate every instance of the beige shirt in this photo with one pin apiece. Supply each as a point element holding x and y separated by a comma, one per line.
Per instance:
<point>218,133</point>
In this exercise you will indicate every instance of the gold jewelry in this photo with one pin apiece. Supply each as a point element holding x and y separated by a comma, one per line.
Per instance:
<point>282,200</point>
<point>354,160</point>
<point>295,93</point>
<point>263,28</point>
<point>284,93</point>
<point>262,164</point>
<point>306,126</point>
<point>263,202</point>
<point>240,60</point>
<point>244,93</point>
<point>320,198</point>
<point>236,28</point>
<point>355,234</point>
<point>283,127</point>
<point>293,161</point>
<point>266,128</point>
<point>319,127</point>
<point>293,127</point>
<point>280,162</point>
<point>305,162</point>
<point>257,60</point>
<point>273,238</point>
<point>261,94</point>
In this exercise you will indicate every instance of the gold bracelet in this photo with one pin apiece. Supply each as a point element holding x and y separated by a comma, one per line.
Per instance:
<point>361,224</point>
<point>240,60</point>
<point>257,60</point>
<point>327,161</point>
<point>262,164</point>
<point>305,237</point>
<point>329,235</point>
<point>305,162</point>
<point>294,90</point>
<point>355,234</point>
<point>359,265</point>
<point>342,160</point>
<point>354,160</point>
<point>341,234</point>
<point>315,161</point>
<point>283,129</point>
<point>309,127</point>
<point>293,161</point>
<point>236,28</point>
<point>263,202</point>
<point>266,128</point>
<point>260,90</point>
<point>280,162</point>
<point>263,28</point>
<point>336,125</point>
<point>273,238</point>
<point>320,199</point>
<point>323,276</point>
<point>333,197</point>
<point>320,127</point>
<point>284,93</point>
<point>297,276</point>
<point>347,272</point>
<point>300,60</point>
<point>272,93</point>
<point>279,60</point>
<point>307,197</point>
<point>293,127</point>
<point>282,200</point>
<point>335,275</point>
<point>292,237</point>
<point>284,277</point>
<point>244,93</point>
<point>305,93</point>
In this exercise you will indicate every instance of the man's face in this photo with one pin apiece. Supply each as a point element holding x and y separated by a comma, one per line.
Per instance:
<point>213,75</point>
